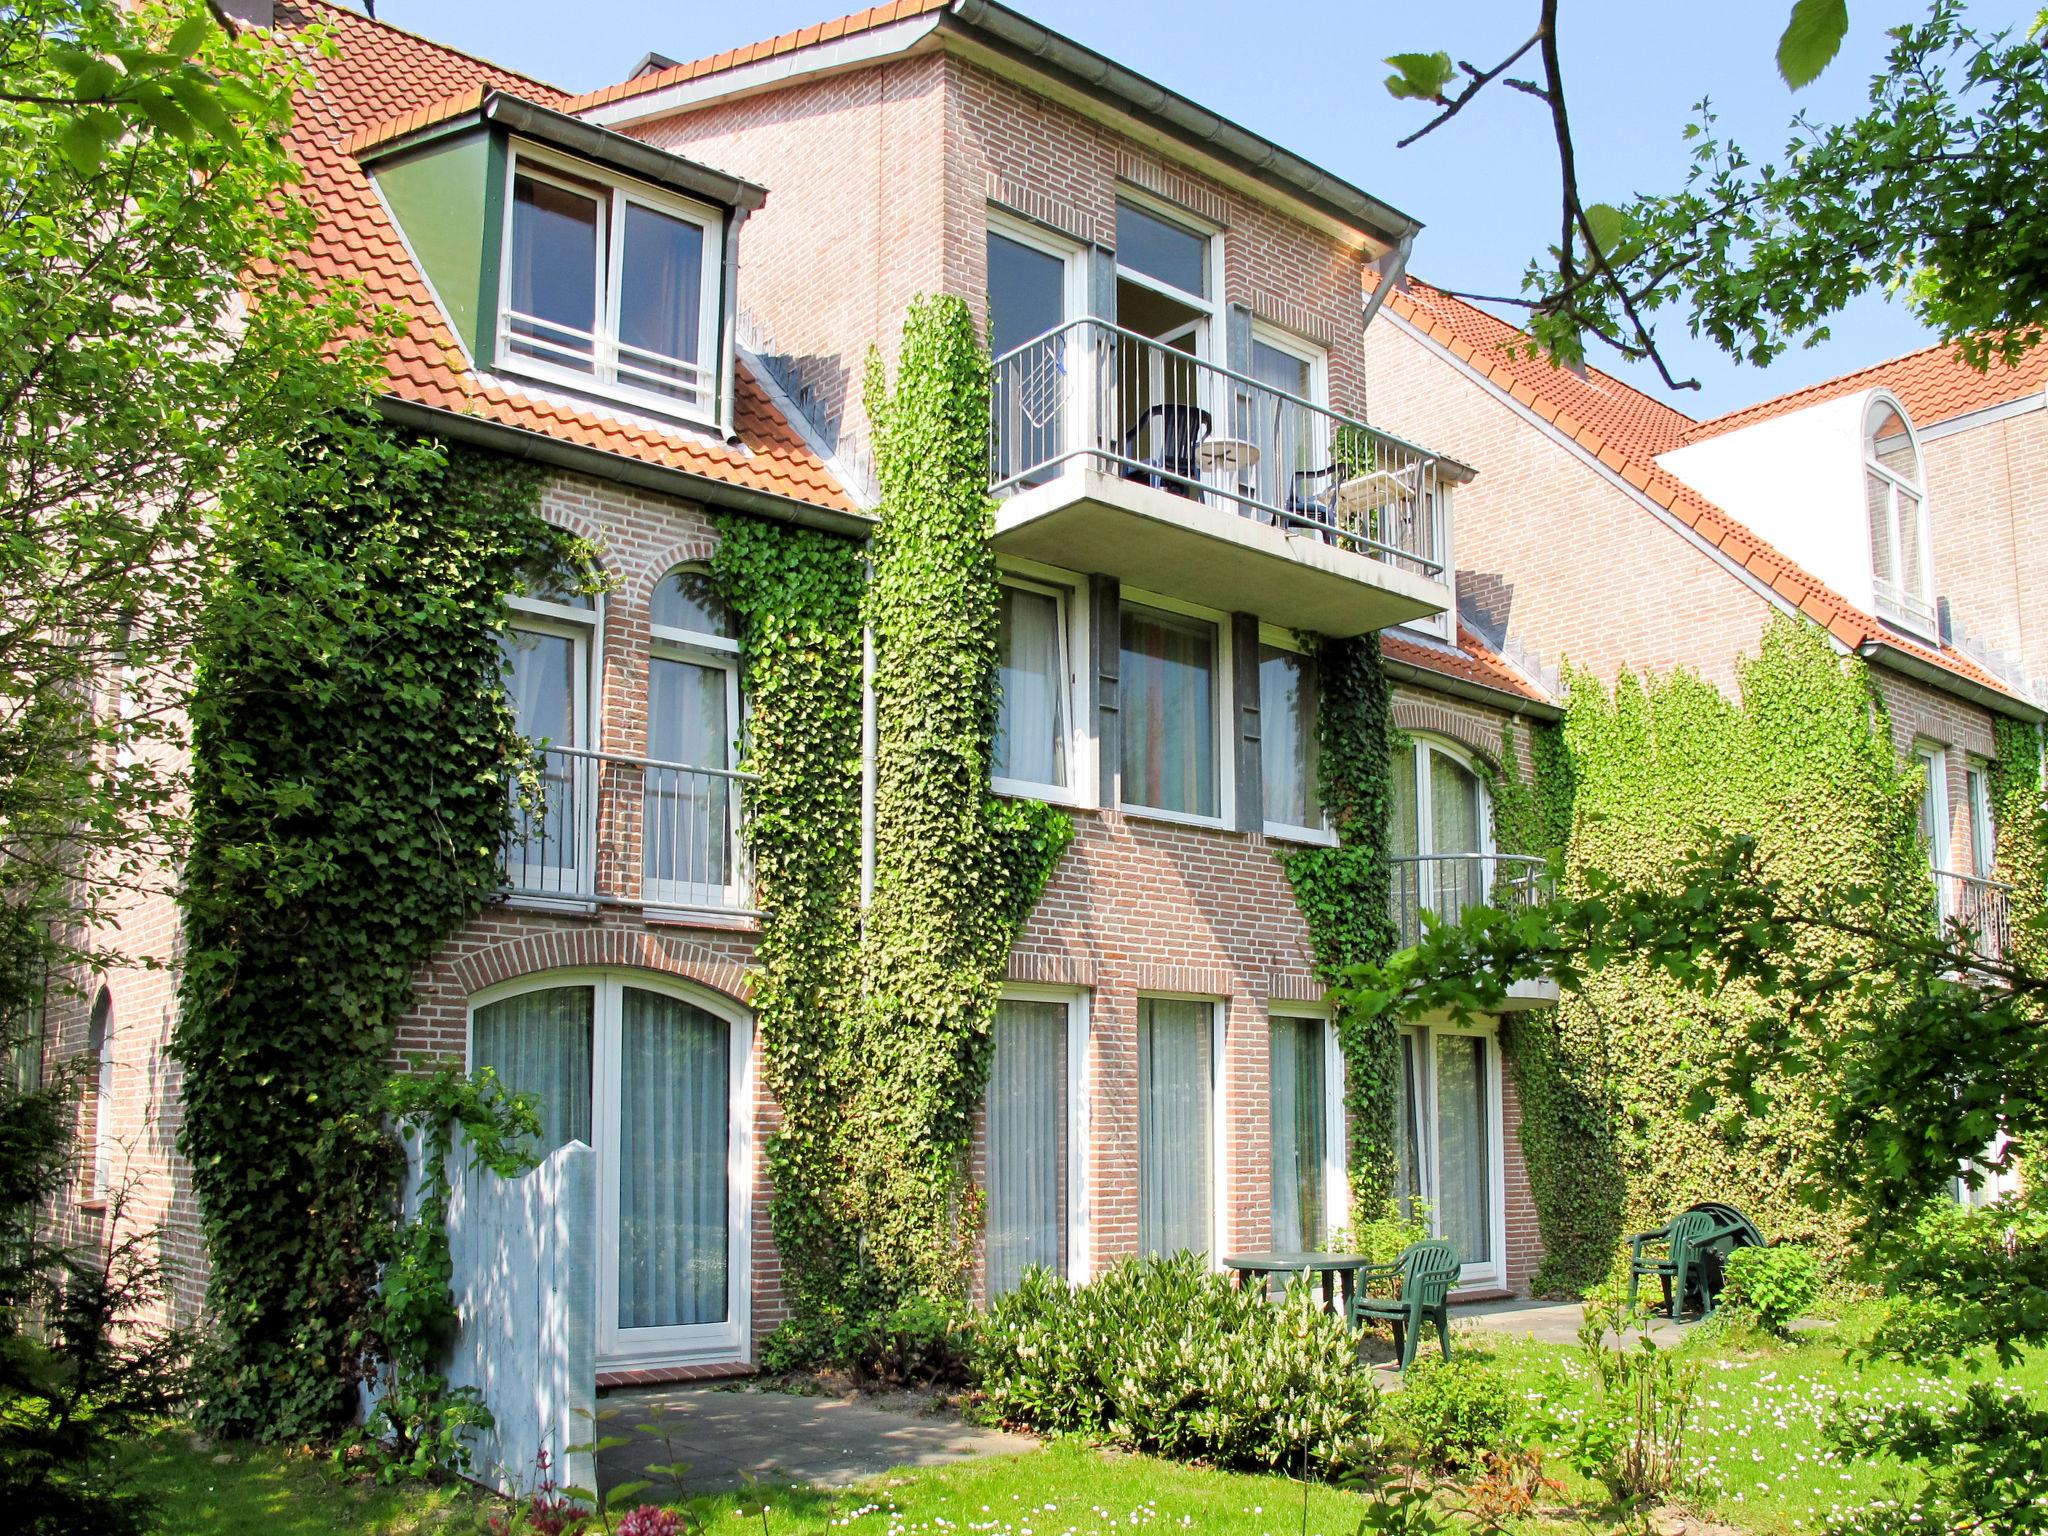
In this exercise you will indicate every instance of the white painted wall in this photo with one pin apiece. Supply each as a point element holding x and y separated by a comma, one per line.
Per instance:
<point>1797,481</point>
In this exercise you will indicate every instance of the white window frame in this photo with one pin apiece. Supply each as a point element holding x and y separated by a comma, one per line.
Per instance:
<point>1336,1164</point>
<point>1225,734</point>
<point>1322,832</point>
<point>1471,1276</point>
<point>1219,1116</point>
<point>1914,611</point>
<point>1079,1116</point>
<point>571,175</point>
<point>721,654</point>
<point>685,1344</point>
<point>1071,640</point>
<point>1209,335</point>
<point>1421,743</point>
<point>1933,760</point>
<point>584,627</point>
<point>1074,289</point>
<point>1265,333</point>
<point>103,1086</point>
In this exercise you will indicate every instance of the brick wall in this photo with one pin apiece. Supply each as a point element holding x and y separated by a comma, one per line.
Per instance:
<point>1988,501</point>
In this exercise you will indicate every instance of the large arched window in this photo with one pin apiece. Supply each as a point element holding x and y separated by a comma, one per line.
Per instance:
<point>651,1074</point>
<point>1895,497</point>
<point>691,810</point>
<point>99,1045</point>
<point>548,651</point>
<point>1440,833</point>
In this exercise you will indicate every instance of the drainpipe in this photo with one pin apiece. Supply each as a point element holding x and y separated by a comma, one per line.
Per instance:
<point>1392,267</point>
<point>867,761</point>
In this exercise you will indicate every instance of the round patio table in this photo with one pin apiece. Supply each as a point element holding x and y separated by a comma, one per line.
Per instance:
<point>1338,1270</point>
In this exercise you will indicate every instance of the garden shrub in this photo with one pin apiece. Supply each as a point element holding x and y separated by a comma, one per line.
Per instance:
<point>920,1341</point>
<point>1159,1355</point>
<point>1454,1412</point>
<point>1777,1284</point>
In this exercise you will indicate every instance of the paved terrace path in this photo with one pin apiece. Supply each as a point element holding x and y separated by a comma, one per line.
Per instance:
<point>778,1438</point>
<point>1548,1322</point>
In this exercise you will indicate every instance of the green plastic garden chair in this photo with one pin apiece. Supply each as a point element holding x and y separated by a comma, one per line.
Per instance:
<point>1692,1244</point>
<point>1424,1273</point>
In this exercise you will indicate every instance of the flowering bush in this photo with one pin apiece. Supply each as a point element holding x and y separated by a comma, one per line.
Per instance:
<point>1777,1284</point>
<point>1160,1355</point>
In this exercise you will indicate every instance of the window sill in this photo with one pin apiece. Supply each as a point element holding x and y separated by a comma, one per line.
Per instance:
<point>733,919</point>
<point>588,387</point>
<point>555,906</point>
<point>1051,794</point>
<point>1314,837</point>
<point>1174,818</point>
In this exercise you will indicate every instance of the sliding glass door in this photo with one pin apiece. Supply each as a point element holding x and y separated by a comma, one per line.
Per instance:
<point>1176,1124</point>
<point>652,1078</point>
<point>1447,1142</point>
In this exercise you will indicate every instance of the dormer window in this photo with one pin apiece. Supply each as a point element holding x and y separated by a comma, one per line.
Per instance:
<point>610,286</point>
<point>1899,554</point>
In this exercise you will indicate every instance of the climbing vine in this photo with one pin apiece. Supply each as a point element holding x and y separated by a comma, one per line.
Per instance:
<point>876,1024</point>
<point>1343,895</point>
<point>796,595</point>
<point>351,750</point>
<point>1805,763</point>
<point>1532,813</point>
<point>2016,811</point>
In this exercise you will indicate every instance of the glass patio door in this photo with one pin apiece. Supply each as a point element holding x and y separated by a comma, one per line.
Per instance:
<point>1033,385</point>
<point>652,1080</point>
<point>1447,1152</point>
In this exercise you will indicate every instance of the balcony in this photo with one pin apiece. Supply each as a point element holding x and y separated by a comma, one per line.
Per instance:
<point>1981,909</point>
<point>1124,456</point>
<point>1445,885</point>
<point>606,829</point>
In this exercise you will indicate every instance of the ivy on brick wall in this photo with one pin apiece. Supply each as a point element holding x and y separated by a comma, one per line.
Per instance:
<point>877,1026</point>
<point>351,750</point>
<point>2016,812</point>
<point>1806,764</point>
<point>1343,893</point>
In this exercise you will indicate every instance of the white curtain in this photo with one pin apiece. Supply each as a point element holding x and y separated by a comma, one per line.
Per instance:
<point>1173,1125</point>
<point>539,1045</point>
<point>1454,828</point>
<point>661,291</point>
<point>1287,737</point>
<point>1410,1183</point>
<point>686,831</point>
<point>1031,725</point>
<point>1402,834</point>
<point>540,683</point>
<point>1168,716</point>
<point>673,1135</point>
<point>1299,1137</point>
<point>1027,1142</point>
<point>1464,1157</point>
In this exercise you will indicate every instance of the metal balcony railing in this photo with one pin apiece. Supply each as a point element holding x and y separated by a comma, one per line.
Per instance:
<point>1092,393</point>
<point>575,840</point>
<point>1446,884</point>
<point>1981,908</point>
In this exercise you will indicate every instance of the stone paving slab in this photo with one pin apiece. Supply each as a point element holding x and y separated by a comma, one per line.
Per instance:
<point>731,1437</point>
<point>1551,1322</point>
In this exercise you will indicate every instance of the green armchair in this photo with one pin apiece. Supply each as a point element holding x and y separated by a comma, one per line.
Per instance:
<point>1425,1273</point>
<point>1684,1256</point>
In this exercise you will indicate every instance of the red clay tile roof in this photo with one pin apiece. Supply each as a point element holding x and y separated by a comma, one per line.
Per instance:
<point>789,42</point>
<point>380,75</point>
<point>1626,435</point>
<point>1934,384</point>
<point>1472,661</point>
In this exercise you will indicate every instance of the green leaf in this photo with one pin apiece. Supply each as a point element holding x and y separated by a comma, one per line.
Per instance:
<point>1608,224</point>
<point>1812,38</point>
<point>191,33</point>
<point>81,144</point>
<point>1419,76</point>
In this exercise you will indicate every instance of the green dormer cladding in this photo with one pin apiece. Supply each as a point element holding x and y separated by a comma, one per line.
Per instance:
<point>572,256</point>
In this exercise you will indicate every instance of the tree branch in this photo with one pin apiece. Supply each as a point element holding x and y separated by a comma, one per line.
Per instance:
<point>1479,83</point>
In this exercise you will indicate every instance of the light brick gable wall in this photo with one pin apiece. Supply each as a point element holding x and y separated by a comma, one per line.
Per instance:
<point>1988,501</point>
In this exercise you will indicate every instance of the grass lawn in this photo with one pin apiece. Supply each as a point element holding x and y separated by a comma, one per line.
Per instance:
<point>1756,1450</point>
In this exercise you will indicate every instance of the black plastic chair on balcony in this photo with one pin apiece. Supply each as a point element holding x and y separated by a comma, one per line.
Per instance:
<point>1312,498</point>
<point>1170,433</point>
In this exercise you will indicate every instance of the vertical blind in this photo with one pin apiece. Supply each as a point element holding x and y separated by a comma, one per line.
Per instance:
<point>1031,726</point>
<point>1299,1133</point>
<point>1027,1142</point>
<point>672,1162</point>
<point>1168,716</point>
<point>1174,1152</point>
<point>1464,1152</point>
<point>539,1044</point>
<point>1454,828</point>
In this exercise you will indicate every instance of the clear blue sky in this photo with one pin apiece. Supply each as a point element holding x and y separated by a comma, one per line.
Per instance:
<point>1306,73</point>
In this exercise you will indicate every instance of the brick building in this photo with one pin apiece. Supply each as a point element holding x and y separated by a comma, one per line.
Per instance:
<point>665,292</point>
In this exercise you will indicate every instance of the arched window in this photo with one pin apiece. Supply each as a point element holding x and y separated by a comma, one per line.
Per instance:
<point>690,851</point>
<point>1895,497</point>
<point>651,1074</point>
<point>547,657</point>
<point>1440,832</point>
<point>99,1041</point>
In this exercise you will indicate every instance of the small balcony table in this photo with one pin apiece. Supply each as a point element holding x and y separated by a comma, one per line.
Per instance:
<point>1338,1271</point>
